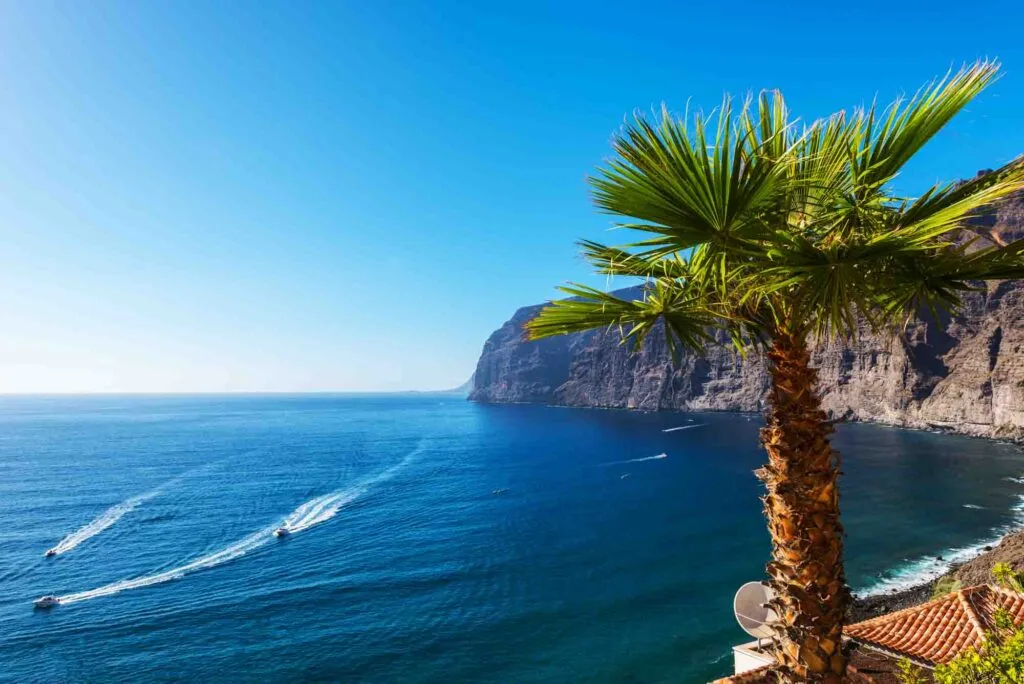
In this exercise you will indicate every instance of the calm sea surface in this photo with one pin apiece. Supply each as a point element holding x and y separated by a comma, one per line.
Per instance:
<point>432,540</point>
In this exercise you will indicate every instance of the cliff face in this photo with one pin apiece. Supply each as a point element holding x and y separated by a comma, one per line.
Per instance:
<point>966,375</point>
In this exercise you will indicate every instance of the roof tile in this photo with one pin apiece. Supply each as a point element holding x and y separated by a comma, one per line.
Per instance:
<point>937,631</point>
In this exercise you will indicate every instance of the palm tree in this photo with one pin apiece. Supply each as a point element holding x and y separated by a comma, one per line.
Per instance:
<point>776,233</point>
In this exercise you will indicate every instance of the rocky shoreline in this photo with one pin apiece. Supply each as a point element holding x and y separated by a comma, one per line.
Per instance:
<point>976,571</point>
<point>866,607</point>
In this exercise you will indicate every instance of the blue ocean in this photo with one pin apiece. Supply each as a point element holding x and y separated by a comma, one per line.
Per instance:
<point>429,539</point>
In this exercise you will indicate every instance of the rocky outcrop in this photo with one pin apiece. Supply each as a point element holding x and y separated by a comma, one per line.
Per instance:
<point>965,374</point>
<point>1010,550</point>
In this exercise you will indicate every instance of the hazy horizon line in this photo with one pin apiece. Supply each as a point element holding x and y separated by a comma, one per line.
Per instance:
<point>159,393</point>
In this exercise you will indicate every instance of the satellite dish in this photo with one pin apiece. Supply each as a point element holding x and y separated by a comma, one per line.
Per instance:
<point>752,610</point>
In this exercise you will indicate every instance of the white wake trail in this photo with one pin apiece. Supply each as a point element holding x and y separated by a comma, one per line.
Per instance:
<point>684,427</point>
<point>637,460</point>
<point>101,522</point>
<point>325,507</point>
<point>116,512</point>
<point>312,512</point>
<point>239,548</point>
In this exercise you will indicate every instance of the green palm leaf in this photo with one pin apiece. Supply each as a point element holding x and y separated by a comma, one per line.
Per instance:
<point>888,140</point>
<point>695,186</point>
<point>685,317</point>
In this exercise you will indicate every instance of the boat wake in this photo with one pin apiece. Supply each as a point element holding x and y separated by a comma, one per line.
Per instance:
<point>684,427</point>
<point>313,512</point>
<point>637,460</point>
<point>323,508</point>
<point>320,509</point>
<point>236,550</point>
<point>115,513</point>
<point>100,523</point>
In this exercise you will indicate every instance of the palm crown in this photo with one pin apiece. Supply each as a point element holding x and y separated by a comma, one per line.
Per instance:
<point>758,225</point>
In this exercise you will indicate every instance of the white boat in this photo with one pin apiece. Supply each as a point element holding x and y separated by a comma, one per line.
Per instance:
<point>47,602</point>
<point>282,532</point>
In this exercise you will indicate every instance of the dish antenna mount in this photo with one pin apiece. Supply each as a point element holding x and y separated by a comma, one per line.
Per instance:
<point>753,612</point>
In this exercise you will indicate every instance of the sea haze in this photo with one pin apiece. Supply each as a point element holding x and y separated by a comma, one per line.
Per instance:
<point>431,539</point>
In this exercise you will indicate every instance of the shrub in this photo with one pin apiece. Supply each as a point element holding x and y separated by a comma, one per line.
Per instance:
<point>946,584</point>
<point>1001,661</point>
<point>909,673</point>
<point>1006,577</point>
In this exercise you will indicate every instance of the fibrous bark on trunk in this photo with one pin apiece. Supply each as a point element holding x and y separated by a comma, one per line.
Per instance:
<point>802,507</point>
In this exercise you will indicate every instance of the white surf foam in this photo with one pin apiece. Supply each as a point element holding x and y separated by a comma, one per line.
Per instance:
<point>919,571</point>
<point>922,570</point>
<point>312,512</point>
<point>637,460</point>
<point>974,506</point>
<point>684,427</point>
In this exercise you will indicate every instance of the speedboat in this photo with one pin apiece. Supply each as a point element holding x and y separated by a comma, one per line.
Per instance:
<point>50,552</point>
<point>281,532</point>
<point>47,602</point>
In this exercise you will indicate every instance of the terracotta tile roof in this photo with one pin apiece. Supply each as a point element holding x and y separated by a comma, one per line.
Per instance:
<point>937,631</point>
<point>872,666</point>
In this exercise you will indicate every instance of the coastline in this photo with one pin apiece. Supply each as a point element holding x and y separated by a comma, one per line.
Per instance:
<point>873,605</point>
<point>968,571</point>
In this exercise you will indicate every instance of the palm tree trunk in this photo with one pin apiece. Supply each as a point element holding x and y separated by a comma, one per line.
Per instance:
<point>802,507</point>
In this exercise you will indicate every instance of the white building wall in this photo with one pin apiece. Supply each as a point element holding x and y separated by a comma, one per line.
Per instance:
<point>746,657</point>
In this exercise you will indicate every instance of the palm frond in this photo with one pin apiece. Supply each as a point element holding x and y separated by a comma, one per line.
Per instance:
<point>819,182</point>
<point>618,261</point>
<point>997,262</point>
<point>886,141</point>
<point>944,208</point>
<point>936,281</point>
<point>685,316</point>
<point>822,282</point>
<point>699,185</point>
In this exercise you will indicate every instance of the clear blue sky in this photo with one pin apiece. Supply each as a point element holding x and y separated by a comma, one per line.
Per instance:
<point>282,196</point>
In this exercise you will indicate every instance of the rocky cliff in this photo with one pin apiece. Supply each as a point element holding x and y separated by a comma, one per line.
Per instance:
<point>965,375</point>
